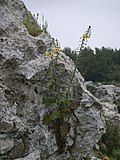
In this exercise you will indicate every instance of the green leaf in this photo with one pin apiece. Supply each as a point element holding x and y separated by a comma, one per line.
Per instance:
<point>55,115</point>
<point>63,131</point>
<point>46,120</point>
<point>62,102</point>
<point>48,101</point>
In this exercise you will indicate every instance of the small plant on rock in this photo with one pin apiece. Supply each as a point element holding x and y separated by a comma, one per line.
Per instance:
<point>83,40</point>
<point>65,101</point>
<point>44,25</point>
<point>31,24</point>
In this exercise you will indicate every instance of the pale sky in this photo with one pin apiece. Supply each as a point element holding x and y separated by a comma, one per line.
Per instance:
<point>68,19</point>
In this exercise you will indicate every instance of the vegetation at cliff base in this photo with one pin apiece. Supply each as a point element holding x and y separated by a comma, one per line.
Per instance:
<point>110,142</point>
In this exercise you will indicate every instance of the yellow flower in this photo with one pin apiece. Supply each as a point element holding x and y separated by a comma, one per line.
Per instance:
<point>52,55</point>
<point>49,54</point>
<point>86,36</point>
<point>56,49</point>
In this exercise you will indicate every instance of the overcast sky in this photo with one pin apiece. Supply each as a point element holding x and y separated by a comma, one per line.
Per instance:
<point>68,19</point>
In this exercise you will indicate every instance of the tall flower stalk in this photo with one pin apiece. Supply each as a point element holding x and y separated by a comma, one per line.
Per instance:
<point>84,39</point>
<point>66,103</point>
<point>83,42</point>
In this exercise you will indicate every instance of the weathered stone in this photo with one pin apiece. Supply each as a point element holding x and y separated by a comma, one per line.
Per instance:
<point>6,144</point>
<point>108,96</point>
<point>17,150</point>
<point>32,156</point>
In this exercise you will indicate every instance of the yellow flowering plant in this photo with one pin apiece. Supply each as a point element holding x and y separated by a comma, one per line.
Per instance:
<point>53,52</point>
<point>49,54</point>
<point>83,40</point>
<point>86,36</point>
<point>56,49</point>
<point>66,102</point>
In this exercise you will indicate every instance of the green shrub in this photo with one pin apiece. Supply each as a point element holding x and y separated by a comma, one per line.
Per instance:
<point>112,138</point>
<point>32,25</point>
<point>111,141</point>
<point>117,84</point>
<point>116,154</point>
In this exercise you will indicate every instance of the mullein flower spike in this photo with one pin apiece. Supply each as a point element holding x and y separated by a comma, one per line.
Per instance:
<point>87,33</point>
<point>83,40</point>
<point>86,36</point>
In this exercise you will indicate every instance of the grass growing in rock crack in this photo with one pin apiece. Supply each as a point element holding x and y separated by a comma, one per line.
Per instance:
<point>32,25</point>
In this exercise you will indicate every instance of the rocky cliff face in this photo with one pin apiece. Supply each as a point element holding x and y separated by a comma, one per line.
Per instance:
<point>24,83</point>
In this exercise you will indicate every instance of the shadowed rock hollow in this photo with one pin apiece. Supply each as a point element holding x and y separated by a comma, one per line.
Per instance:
<point>24,83</point>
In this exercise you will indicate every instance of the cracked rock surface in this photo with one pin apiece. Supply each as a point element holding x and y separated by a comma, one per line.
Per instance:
<point>108,96</point>
<point>24,84</point>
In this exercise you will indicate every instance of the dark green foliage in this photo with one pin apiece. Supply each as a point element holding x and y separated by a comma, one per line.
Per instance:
<point>112,138</point>
<point>101,65</point>
<point>70,53</point>
<point>112,142</point>
<point>49,118</point>
<point>115,155</point>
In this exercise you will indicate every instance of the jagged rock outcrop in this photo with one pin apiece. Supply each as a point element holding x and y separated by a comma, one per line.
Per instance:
<point>24,83</point>
<point>108,96</point>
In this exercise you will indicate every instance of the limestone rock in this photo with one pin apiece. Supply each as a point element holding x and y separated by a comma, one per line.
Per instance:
<point>108,96</point>
<point>24,84</point>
